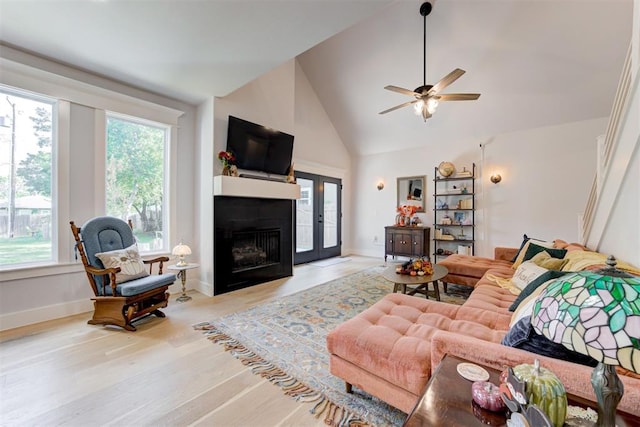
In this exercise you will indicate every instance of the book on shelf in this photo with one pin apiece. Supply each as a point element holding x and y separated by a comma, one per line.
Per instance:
<point>464,173</point>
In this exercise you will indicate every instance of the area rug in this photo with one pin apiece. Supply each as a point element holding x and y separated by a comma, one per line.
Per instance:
<point>285,341</point>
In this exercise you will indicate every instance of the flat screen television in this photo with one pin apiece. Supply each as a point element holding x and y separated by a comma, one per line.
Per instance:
<point>258,148</point>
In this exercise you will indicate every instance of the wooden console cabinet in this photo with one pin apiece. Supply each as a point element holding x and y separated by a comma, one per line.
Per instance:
<point>411,242</point>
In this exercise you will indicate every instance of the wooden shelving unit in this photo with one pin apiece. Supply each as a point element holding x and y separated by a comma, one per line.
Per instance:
<point>453,213</point>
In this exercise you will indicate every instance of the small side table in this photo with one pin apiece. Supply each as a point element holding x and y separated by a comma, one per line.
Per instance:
<point>182,275</point>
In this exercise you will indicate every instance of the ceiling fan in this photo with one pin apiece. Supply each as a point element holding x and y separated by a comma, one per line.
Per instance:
<point>426,96</point>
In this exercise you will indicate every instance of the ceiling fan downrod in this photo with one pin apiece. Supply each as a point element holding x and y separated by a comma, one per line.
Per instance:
<point>425,9</point>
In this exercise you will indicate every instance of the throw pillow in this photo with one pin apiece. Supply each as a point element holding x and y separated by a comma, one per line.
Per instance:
<point>521,255</point>
<point>534,249</point>
<point>525,239</point>
<point>523,336</point>
<point>535,284</point>
<point>544,260</point>
<point>129,261</point>
<point>525,273</point>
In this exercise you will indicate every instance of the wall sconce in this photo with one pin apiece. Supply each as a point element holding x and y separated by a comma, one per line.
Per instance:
<point>496,178</point>
<point>380,185</point>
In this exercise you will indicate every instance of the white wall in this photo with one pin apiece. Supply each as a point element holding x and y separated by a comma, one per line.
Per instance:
<point>547,173</point>
<point>319,149</point>
<point>616,229</point>
<point>203,239</point>
<point>621,236</point>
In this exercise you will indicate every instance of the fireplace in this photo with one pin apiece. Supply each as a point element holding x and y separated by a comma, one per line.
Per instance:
<point>253,241</point>
<point>255,249</point>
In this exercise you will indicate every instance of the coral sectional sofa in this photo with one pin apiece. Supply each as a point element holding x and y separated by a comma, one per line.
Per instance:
<point>390,349</point>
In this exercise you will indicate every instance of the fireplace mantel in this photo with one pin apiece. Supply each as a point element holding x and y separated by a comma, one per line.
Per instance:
<point>247,187</point>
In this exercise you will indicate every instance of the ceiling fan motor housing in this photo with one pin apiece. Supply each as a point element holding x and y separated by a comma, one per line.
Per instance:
<point>425,9</point>
<point>423,89</point>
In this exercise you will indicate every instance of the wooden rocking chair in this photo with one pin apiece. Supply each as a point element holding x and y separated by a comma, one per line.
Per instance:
<point>123,290</point>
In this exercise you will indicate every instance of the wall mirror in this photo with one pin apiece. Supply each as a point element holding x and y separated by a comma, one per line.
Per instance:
<point>411,191</point>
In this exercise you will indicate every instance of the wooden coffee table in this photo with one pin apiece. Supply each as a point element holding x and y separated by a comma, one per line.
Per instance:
<point>421,283</point>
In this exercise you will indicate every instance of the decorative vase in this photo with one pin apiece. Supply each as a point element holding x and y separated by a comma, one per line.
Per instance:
<point>400,220</point>
<point>226,171</point>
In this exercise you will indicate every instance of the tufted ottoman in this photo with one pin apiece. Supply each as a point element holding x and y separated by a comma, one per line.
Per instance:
<point>386,349</point>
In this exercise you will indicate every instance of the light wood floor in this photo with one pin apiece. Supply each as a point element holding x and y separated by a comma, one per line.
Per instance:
<point>66,372</point>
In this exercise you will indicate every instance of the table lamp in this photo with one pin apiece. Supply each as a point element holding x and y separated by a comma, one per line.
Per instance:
<point>181,251</point>
<point>597,314</point>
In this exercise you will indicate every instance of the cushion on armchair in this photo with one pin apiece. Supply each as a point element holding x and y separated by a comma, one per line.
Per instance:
<point>129,261</point>
<point>144,284</point>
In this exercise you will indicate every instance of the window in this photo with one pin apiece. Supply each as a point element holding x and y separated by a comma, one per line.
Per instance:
<point>136,178</point>
<point>27,144</point>
<point>305,197</point>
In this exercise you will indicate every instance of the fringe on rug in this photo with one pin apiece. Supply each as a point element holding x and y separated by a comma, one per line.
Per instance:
<point>334,415</point>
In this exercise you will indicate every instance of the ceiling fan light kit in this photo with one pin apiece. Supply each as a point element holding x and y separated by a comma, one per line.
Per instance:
<point>427,97</point>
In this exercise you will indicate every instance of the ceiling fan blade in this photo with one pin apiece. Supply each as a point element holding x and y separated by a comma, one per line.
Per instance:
<point>458,96</point>
<point>399,106</point>
<point>446,81</point>
<point>401,90</point>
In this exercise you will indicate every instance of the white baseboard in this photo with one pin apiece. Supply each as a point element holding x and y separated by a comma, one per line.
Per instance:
<point>372,253</point>
<point>204,288</point>
<point>44,314</point>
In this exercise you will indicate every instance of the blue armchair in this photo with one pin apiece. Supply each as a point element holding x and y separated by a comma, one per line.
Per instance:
<point>124,290</point>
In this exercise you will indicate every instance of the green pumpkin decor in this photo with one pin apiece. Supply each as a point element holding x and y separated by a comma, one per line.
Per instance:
<point>544,390</point>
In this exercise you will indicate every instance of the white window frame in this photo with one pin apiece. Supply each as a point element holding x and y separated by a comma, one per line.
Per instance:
<point>56,118</point>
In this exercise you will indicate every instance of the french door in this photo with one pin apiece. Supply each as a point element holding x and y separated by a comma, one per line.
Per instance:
<point>318,218</point>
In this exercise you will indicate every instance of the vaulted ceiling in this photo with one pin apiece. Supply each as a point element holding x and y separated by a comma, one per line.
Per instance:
<point>536,63</point>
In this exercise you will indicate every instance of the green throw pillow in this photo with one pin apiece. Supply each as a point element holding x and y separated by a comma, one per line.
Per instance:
<point>525,239</point>
<point>534,249</point>
<point>534,284</point>
<point>544,260</point>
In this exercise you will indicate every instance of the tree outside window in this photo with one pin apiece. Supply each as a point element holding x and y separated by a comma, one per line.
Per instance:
<point>135,178</point>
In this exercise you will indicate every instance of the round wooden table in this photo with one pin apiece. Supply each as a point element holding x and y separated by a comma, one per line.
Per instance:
<point>421,283</point>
